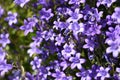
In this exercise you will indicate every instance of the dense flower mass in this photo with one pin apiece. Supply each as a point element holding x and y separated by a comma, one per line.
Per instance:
<point>60,40</point>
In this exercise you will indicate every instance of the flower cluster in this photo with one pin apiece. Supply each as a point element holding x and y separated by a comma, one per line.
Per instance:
<point>60,40</point>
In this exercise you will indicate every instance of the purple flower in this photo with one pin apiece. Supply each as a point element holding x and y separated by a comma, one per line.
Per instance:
<point>58,74</point>
<point>103,73</point>
<point>113,40</point>
<point>44,72</point>
<point>84,74</point>
<point>92,16</point>
<point>76,61</point>
<point>28,76</point>
<point>107,3</point>
<point>66,78</point>
<point>76,27</point>
<point>116,14</point>
<point>4,67</point>
<point>36,63</point>
<point>92,29</point>
<point>76,1</point>
<point>68,50</point>
<point>64,65</point>
<point>43,2</point>
<point>21,2</point>
<point>59,39</point>
<point>2,54</point>
<point>4,39</point>
<point>33,49</point>
<point>74,16</point>
<point>90,44</point>
<point>28,25</point>
<point>46,14</point>
<point>12,18</point>
<point>48,35</point>
<point>62,25</point>
<point>1,11</point>
<point>114,48</point>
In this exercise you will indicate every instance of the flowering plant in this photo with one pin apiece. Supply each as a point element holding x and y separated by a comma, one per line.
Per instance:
<point>59,40</point>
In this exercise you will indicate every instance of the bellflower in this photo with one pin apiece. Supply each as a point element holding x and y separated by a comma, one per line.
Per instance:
<point>48,35</point>
<point>4,67</point>
<point>103,73</point>
<point>76,1</point>
<point>92,16</point>
<point>107,3</point>
<point>28,25</point>
<point>44,72</point>
<point>33,49</point>
<point>46,14</point>
<point>74,15</point>
<point>92,29</point>
<point>21,2</point>
<point>1,11</point>
<point>11,18</point>
<point>36,63</point>
<point>58,74</point>
<point>113,40</point>
<point>2,54</point>
<point>116,14</point>
<point>4,39</point>
<point>90,44</point>
<point>59,39</point>
<point>76,61</point>
<point>64,65</point>
<point>84,74</point>
<point>60,25</point>
<point>68,50</point>
<point>114,48</point>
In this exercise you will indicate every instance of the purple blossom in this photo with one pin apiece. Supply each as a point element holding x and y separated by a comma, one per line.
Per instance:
<point>59,39</point>
<point>92,16</point>
<point>76,27</point>
<point>44,72</point>
<point>12,18</point>
<point>84,74</point>
<point>33,49</point>
<point>90,44</point>
<point>74,15</point>
<point>36,63</point>
<point>103,73</point>
<point>28,25</point>
<point>29,76</point>
<point>60,25</point>
<point>4,67</point>
<point>46,14</point>
<point>68,50</point>
<point>92,29</point>
<point>76,1</point>
<point>1,11</point>
<point>113,40</point>
<point>21,2</point>
<point>116,14</point>
<point>64,65</point>
<point>76,61</point>
<point>107,3</point>
<point>4,39</point>
<point>2,54</point>
<point>114,48</point>
<point>48,35</point>
<point>58,74</point>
